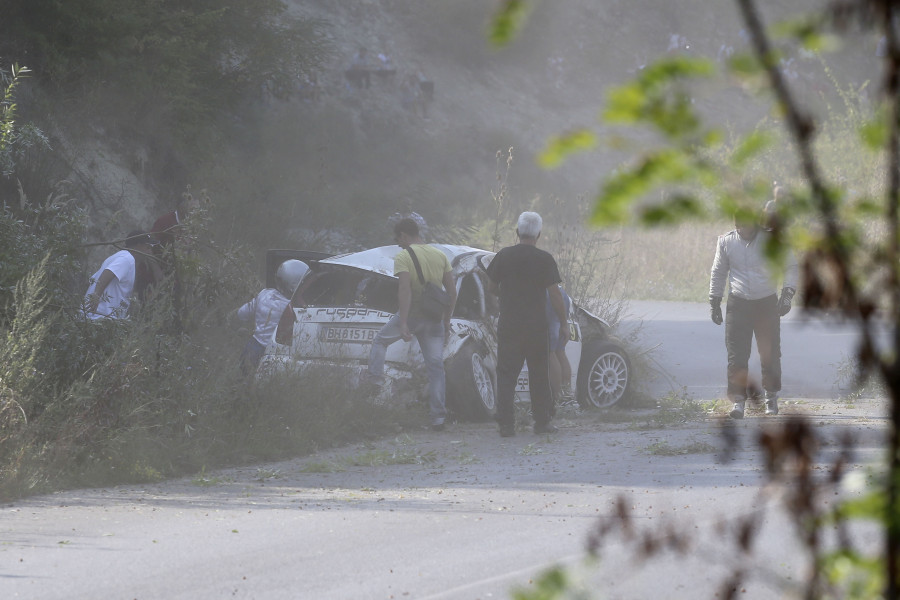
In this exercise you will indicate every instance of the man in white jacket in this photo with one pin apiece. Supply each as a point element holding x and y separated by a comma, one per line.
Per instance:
<point>754,309</point>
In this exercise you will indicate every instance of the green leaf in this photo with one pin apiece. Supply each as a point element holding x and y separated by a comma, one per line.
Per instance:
<point>874,134</point>
<point>658,97</point>
<point>868,207</point>
<point>798,28</point>
<point>622,189</point>
<point>553,584</point>
<point>508,21</point>
<point>565,145</point>
<point>713,137</point>
<point>744,65</point>
<point>624,103</point>
<point>872,507</point>
<point>675,68</point>
<point>678,208</point>
<point>750,147</point>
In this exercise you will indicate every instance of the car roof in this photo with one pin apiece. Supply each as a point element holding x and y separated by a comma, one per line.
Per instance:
<point>381,259</point>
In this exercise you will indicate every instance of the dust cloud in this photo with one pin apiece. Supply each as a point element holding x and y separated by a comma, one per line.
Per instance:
<point>344,154</point>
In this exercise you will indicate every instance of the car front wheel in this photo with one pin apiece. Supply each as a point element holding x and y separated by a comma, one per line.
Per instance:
<point>604,374</point>
<point>470,387</point>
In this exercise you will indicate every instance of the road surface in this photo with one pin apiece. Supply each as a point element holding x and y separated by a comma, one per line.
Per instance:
<point>687,351</point>
<point>461,514</point>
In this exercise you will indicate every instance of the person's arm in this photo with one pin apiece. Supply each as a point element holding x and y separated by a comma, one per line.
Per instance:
<point>559,307</point>
<point>717,278</point>
<point>789,287</point>
<point>718,274</point>
<point>246,312</point>
<point>450,286</point>
<point>106,277</point>
<point>404,301</point>
<point>492,272</point>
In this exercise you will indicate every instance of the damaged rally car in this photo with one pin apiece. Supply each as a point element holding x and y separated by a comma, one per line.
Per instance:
<point>344,300</point>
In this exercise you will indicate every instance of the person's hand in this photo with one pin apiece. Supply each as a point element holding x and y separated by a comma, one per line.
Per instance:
<point>784,303</point>
<point>446,330</point>
<point>564,334</point>
<point>405,334</point>
<point>715,309</point>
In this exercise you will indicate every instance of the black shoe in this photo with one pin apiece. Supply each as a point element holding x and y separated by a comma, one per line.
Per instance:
<point>507,430</point>
<point>542,428</point>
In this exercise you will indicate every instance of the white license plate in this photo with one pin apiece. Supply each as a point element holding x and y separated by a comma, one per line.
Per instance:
<point>360,335</point>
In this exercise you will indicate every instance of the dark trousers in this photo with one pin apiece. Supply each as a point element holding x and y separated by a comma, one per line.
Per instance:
<point>745,319</point>
<point>514,348</point>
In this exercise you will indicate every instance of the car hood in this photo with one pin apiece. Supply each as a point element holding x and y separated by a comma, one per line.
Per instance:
<point>381,260</point>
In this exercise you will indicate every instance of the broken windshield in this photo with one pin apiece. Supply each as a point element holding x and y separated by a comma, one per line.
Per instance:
<point>333,285</point>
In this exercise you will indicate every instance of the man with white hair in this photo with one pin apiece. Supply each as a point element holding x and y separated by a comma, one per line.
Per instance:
<point>524,275</point>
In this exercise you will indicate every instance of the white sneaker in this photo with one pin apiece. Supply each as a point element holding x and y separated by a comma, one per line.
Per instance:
<point>771,404</point>
<point>738,411</point>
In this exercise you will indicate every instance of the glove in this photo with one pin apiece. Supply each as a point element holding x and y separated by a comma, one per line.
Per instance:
<point>715,309</point>
<point>784,303</point>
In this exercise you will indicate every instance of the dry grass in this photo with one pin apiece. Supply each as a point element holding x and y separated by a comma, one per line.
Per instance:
<point>670,263</point>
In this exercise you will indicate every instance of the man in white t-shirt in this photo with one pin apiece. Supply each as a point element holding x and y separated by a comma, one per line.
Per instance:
<point>111,288</point>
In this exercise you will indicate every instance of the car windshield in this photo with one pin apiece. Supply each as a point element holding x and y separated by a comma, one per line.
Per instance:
<point>335,285</point>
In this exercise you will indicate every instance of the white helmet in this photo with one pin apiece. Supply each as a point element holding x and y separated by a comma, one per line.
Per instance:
<point>288,276</point>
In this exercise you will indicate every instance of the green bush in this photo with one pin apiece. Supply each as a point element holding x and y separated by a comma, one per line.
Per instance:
<point>174,71</point>
<point>94,403</point>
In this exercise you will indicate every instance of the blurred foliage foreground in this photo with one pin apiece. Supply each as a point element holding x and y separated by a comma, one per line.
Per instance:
<point>840,213</point>
<point>93,403</point>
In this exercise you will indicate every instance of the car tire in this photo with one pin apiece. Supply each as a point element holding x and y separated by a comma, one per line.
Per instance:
<point>471,391</point>
<point>604,374</point>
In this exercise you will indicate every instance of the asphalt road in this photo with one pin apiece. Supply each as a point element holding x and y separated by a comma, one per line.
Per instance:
<point>461,514</point>
<point>687,351</point>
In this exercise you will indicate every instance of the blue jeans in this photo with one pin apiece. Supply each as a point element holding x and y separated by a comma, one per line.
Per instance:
<point>430,335</point>
<point>250,356</point>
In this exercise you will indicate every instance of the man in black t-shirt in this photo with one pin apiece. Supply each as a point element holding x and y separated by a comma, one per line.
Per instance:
<point>525,275</point>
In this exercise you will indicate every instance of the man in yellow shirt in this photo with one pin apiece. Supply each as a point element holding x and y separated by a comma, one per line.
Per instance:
<point>409,320</point>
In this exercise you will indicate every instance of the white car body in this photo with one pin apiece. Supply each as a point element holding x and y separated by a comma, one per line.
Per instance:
<point>346,299</point>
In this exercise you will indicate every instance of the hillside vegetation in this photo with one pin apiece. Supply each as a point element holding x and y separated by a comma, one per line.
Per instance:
<point>131,104</point>
<point>147,99</point>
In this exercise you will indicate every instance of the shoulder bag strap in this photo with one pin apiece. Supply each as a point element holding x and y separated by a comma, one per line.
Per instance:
<point>415,260</point>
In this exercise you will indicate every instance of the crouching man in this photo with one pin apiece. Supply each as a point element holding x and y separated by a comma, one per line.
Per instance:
<point>265,311</point>
<point>410,321</point>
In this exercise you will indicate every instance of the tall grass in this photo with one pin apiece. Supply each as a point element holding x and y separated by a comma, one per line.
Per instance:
<point>87,403</point>
<point>671,263</point>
